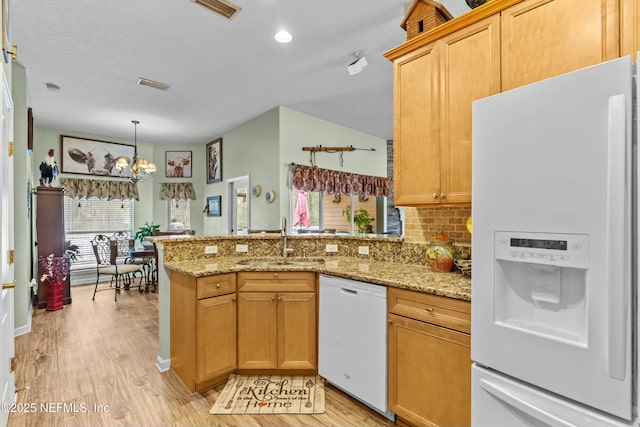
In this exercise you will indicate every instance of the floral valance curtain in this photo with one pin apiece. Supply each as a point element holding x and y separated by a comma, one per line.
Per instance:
<point>79,188</point>
<point>177,191</point>
<point>311,178</point>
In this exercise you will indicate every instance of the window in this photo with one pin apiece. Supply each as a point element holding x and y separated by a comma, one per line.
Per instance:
<point>179,214</point>
<point>86,218</point>
<point>313,200</point>
<point>330,212</point>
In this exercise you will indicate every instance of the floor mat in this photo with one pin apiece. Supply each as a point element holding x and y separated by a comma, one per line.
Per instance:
<point>271,394</point>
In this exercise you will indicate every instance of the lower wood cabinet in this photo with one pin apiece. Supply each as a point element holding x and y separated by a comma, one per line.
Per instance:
<point>429,359</point>
<point>277,326</point>
<point>203,328</point>
<point>215,337</point>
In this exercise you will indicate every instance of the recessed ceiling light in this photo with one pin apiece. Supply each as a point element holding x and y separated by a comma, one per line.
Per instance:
<point>283,36</point>
<point>52,87</point>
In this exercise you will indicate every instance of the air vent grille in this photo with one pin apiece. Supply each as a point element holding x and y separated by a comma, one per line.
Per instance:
<point>152,83</point>
<point>221,7</point>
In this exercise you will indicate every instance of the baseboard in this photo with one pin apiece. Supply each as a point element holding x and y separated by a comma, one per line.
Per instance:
<point>26,328</point>
<point>163,365</point>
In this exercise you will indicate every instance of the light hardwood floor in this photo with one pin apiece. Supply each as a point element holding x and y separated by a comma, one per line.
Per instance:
<point>99,354</point>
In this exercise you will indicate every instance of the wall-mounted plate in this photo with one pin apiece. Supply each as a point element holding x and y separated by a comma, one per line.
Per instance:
<point>256,190</point>
<point>270,196</point>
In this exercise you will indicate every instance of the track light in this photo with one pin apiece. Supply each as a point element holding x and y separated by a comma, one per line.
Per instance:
<point>358,64</point>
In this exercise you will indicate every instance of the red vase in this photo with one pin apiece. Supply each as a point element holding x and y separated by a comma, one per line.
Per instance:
<point>54,297</point>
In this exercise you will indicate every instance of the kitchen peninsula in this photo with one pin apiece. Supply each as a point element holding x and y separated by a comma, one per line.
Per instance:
<point>203,280</point>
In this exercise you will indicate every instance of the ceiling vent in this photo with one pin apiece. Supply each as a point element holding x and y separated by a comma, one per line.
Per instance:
<point>151,83</point>
<point>221,7</point>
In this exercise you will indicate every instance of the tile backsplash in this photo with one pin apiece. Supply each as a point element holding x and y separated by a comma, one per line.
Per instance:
<point>422,223</point>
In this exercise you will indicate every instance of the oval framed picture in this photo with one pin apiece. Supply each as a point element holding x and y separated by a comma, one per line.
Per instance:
<point>270,196</point>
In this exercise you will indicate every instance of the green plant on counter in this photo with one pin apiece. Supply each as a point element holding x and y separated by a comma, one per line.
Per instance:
<point>146,230</point>
<point>361,219</point>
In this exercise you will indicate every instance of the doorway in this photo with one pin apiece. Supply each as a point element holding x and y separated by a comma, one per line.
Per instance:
<point>238,208</point>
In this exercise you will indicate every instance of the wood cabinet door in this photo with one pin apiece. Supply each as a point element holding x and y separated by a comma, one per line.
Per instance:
<point>429,373</point>
<point>257,330</point>
<point>630,32</point>
<point>470,70</point>
<point>416,148</point>
<point>297,330</point>
<point>545,38</point>
<point>216,337</point>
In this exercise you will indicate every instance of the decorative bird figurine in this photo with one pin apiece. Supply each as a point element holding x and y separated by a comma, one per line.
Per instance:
<point>48,169</point>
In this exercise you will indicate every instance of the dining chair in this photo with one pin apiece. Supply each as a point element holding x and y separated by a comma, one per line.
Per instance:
<point>108,256</point>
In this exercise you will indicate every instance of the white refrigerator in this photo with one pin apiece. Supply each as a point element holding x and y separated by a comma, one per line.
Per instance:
<point>554,311</point>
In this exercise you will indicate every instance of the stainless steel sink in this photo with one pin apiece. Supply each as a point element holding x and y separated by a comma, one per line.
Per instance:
<point>262,262</point>
<point>306,262</point>
<point>294,262</point>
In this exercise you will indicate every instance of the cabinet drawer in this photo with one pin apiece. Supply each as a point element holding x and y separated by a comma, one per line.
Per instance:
<point>448,312</point>
<point>219,284</point>
<point>272,281</point>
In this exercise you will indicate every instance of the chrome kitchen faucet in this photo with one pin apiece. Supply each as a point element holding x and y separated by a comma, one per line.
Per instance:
<point>285,250</point>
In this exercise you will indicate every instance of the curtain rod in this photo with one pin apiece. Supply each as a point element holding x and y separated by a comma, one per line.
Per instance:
<point>335,149</point>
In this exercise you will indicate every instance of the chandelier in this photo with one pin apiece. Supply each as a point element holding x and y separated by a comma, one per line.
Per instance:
<point>139,169</point>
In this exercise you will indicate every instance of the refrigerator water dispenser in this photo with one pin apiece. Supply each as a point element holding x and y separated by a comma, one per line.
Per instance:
<point>540,284</point>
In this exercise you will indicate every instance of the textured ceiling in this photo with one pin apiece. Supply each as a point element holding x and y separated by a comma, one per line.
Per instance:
<point>222,72</point>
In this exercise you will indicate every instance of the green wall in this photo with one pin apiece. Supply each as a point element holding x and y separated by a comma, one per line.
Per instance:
<point>249,149</point>
<point>299,130</point>
<point>264,146</point>
<point>22,217</point>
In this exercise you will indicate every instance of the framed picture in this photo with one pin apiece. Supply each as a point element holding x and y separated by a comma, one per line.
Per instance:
<point>214,205</point>
<point>214,161</point>
<point>92,157</point>
<point>178,164</point>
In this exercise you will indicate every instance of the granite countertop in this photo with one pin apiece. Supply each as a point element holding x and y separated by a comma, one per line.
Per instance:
<point>405,276</point>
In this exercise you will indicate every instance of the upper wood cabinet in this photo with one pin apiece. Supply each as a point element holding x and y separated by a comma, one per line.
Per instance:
<point>434,88</point>
<point>545,38</point>
<point>416,147</point>
<point>630,32</point>
<point>496,47</point>
<point>470,70</point>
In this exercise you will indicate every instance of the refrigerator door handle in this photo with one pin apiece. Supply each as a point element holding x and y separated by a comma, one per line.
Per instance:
<point>617,224</point>
<point>509,398</point>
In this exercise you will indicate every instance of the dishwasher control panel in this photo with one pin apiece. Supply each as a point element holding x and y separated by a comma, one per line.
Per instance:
<point>354,285</point>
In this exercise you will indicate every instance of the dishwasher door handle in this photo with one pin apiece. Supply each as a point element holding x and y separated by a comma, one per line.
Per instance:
<point>349,291</point>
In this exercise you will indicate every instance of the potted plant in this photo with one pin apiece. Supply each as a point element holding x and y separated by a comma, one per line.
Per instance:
<point>146,231</point>
<point>361,219</point>
<point>71,250</point>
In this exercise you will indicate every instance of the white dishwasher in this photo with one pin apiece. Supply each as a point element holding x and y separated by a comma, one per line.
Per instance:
<point>353,339</point>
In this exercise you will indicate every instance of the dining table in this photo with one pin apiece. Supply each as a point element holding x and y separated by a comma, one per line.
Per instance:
<point>147,256</point>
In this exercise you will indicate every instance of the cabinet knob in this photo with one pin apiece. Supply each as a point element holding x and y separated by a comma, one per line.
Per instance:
<point>273,299</point>
<point>218,285</point>
<point>435,195</point>
<point>443,196</point>
<point>389,321</point>
<point>275,275</point>
<point>279,299</point>
<point>429,309</point>
<point>233,299</point>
